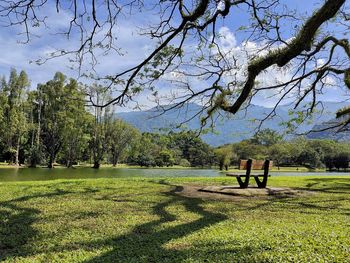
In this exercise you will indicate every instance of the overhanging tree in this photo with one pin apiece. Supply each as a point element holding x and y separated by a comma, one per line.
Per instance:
<point>188,47</point>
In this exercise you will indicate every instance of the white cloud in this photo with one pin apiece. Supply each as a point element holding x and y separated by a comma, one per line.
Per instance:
<point>320,62</point>
<point>329,81</point>
<point>135,47</point>
<point>238,55</point>
<point>16,55</point>
<point>227,38</point>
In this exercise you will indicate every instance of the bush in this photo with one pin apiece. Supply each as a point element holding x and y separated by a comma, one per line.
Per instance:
<point>184,163</point>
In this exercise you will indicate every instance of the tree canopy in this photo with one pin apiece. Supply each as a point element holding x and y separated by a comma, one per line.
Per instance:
<point>192,54</point>
<point>51,124</point>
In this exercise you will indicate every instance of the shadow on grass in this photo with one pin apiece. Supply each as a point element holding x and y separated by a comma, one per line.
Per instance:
<point>338,190</point>
<point>148,242</point>
<point>329,185</point>
<point>145,243</point>
<point>16,225</point>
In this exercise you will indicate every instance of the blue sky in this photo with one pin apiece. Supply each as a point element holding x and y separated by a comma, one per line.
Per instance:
<point>17,55</point>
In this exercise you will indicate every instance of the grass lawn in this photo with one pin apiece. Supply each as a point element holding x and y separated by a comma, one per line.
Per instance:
<point>146,220</point>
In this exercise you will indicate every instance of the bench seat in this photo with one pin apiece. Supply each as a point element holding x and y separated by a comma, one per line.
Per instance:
<point>245,182</point>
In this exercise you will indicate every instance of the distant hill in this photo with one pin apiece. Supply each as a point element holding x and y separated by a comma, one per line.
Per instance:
<point>228,129</point>
<point>324,131</point>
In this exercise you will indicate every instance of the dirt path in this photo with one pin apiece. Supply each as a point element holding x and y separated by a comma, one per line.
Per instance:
<point>235,193</point>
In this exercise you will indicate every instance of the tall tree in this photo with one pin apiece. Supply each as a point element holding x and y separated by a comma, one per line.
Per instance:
<point>279,153</point>
<point>34,108</point>
<point>224,156</point>
<point>121,136</point>
<point>54,111</point>
<point>15,118</point>
<point>3,127</point>
<point>101,126</point>
<point>77,124</point>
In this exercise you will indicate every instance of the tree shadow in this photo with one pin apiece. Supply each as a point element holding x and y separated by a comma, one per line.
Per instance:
<point>156,240</point>
<point>336,188</point>
<point>329,185</point>
<point>146,242</point>
<point>16,228</point>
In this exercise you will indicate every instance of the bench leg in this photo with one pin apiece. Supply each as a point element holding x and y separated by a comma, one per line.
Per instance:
<point>245,183</point>
<point>261,184</point>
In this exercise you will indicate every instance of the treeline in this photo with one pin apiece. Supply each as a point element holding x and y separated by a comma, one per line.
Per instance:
<point>268,144</point>
<point>52,124</point>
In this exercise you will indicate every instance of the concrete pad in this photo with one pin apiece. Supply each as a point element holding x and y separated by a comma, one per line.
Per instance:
<point>252,191</point>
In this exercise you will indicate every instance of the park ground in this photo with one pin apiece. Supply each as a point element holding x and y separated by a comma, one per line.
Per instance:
<point>151,220</point>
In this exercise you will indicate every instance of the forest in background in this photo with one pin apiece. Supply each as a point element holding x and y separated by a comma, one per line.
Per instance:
<point>51,124</point>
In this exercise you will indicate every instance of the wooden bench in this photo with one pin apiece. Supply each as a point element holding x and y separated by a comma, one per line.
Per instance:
<point>247,175</point>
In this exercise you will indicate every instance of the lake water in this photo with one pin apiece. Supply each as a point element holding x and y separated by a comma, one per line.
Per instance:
<point>39,174</point>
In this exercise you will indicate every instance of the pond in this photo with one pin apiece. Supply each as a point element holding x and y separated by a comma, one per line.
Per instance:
<point>39,174</point>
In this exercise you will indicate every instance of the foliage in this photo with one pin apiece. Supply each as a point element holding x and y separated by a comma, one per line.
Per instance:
<point>52,124</point>
<point>266,137</point>
<point>192,147</point>
<point>101,128</point>
<point>224,156</point>
<point>184,163</point>
<point>280,153</point>
<point>190,46</point>
<point>172,148</point>
<point>246,150</point>
<point>121,137</point>
<point>297,152</point>
<point>14,119</point>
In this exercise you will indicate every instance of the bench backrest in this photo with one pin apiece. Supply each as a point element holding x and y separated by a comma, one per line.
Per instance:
<point>256,164</point>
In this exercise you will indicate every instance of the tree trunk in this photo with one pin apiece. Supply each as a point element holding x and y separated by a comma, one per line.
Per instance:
<point>32,165</point>
<point>221,166</point>
<point>115,159</point>
<point>96,165</point>
<point>17,153</point>
<point>69,164</point>
<point>51,161</point>
<point>39,124</point>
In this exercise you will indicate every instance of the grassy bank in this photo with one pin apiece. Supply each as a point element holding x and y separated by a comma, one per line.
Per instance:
<point>145,220</point>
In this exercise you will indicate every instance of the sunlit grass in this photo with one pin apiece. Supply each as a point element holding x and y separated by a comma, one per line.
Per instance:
<point>145,220</point>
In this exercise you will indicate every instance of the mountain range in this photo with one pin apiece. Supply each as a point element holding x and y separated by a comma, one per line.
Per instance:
<point>228,128</point>
<point>330,130</point>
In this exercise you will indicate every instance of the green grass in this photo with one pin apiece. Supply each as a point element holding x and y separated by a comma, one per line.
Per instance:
<point>145,220</point>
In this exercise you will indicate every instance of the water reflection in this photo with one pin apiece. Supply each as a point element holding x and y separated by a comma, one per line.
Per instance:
<point>27,174</point>
<point>39,174</point>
